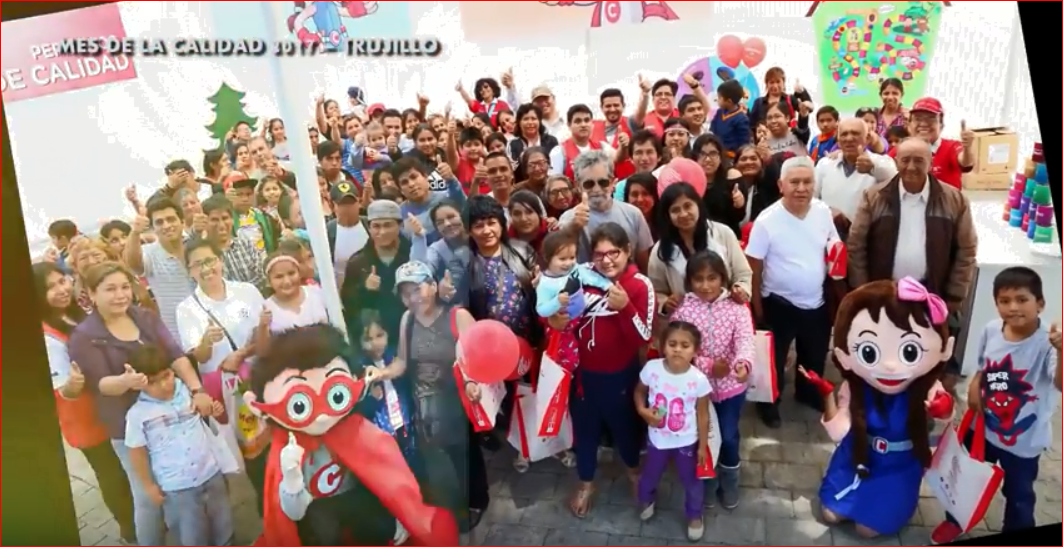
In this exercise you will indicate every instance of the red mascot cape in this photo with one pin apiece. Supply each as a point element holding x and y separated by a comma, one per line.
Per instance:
<point>375,460</point>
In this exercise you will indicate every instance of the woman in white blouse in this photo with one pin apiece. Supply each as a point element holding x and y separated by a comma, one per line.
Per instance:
<point>218,321</point>
<point>684,229</point>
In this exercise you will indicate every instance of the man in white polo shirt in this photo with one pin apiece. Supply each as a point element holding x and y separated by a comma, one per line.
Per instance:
<point>787,251</point>
<point>842,180</point>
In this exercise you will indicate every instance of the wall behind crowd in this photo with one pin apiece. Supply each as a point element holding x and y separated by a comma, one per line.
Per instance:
<point>97,141</point>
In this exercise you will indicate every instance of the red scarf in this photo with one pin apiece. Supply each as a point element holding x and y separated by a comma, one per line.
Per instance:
<point>376,461</point>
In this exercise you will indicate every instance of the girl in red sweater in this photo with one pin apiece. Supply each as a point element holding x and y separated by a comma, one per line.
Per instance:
<point>614,328</point>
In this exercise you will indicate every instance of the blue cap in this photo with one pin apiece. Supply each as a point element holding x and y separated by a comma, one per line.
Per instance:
<point>412,272</point>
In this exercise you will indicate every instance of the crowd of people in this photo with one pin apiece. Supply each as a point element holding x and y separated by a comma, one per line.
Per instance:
<point>436,221</point>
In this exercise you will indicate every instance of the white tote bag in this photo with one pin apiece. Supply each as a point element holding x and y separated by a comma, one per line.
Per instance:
<point>483,413</point>
<point>523,429</point>
<point>708,471</point>
<point>551,397</point>
<point>961,480</point>
<point>763,386</point>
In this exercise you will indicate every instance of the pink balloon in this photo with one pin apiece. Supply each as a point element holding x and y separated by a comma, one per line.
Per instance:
<point>682,170</point>
<point>730,50</point>
<point>754,51</point>
<point>489,351</point>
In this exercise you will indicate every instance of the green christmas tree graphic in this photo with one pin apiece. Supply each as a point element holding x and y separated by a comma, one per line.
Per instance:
<point>228,111</point>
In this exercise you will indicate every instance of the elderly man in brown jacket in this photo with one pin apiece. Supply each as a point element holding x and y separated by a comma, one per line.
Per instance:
<point>916,226</point>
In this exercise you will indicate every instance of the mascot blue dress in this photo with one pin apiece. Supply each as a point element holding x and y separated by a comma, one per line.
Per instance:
<point>891,346</point>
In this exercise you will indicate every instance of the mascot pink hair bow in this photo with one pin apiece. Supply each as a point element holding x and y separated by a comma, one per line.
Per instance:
<point>910,290</point>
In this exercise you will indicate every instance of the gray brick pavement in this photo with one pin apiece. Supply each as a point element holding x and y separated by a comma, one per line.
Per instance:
<point>780,477</point>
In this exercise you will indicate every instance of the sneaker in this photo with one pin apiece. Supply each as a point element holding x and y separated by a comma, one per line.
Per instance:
<point>567,459</point>
<point>696,530</point>
<point>946,532</point>
<point>521,464</point>
<point>401,534</point>
<point>648,511</point>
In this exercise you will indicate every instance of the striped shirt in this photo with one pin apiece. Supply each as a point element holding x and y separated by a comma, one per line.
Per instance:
<point>169,281</point>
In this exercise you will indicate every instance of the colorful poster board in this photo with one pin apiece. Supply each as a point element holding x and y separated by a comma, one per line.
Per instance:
<point>734,60</point>
<point>333,23</point>
<point>860,44</point>
<point>480,20</point>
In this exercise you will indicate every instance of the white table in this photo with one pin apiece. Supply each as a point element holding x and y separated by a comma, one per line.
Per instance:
<point>1000,246</point>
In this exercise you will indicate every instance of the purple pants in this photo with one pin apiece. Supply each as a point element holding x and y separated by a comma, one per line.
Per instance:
<point>686,463</point>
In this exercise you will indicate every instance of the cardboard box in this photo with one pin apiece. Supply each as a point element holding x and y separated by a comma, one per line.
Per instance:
<point>992,181</point>
<point>997,150</point>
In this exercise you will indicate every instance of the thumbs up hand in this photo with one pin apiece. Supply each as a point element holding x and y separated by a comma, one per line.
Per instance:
<point>447,291</point>
<point>291,460</point>
<point>798,88</point>
<point>966,135</point>
<point>423,99</point>
<point>1055,337</point>
<point>738,199</point>
<point>444,170</point>
<point>645,84</point>
<point>393,143</point>
<point>76,382</point>
<point>414,226</point>
<point>581,214</point>
<point>372,282</point>
<point>133,380</point>
<point>214,334</point>
<point>507,78</point>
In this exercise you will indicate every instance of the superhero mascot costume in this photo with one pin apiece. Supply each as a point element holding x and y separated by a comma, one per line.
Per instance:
<point>891,343</point>
<point>333,478</point>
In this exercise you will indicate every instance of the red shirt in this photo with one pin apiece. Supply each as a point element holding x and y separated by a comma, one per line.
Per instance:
<point>78,421</point>
<point>491,109</point>
<point>654,122</point>
<point>946,164</point>
<point>466,173</point>
<point>611,341</point>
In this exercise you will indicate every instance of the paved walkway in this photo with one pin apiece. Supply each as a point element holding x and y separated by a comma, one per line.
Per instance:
<point>780,477</point>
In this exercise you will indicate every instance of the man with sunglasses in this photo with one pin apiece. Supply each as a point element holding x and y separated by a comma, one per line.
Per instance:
<point>595,180</point>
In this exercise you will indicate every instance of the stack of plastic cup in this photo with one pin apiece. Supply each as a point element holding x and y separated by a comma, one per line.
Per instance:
<point>1014,196</point>
<point>1025,204</point>
<point>1040,230</point>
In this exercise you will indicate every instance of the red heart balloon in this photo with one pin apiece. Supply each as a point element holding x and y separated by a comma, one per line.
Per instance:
<point>753,51</point>
<point>730,50</point>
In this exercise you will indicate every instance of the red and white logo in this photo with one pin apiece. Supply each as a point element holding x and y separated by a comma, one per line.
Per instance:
<point>327,481</point>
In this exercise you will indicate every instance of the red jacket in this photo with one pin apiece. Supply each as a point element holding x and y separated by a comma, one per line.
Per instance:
<point>78,420</point>
<point>610,341</point>
<point>626,168</point>
<point>572,151</point>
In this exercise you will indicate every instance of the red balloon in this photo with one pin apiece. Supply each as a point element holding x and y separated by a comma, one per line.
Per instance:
<point>526,362</point>
<point>754,50</point>
<point>682,170</point>
<point>730,50</point>
<point>488,352</point>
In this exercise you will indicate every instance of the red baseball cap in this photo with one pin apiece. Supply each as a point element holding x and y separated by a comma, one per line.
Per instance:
<point>928,104</point>
<point>374,108</point>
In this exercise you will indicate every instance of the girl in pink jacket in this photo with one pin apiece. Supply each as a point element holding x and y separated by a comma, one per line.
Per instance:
<point>725,356</point>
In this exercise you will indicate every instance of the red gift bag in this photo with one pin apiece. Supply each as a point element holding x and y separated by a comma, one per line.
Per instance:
<point>552,391</point>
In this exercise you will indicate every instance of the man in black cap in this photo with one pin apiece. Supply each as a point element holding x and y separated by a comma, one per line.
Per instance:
<point>347,234</point>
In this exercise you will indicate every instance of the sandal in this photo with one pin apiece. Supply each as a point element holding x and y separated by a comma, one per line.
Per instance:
<point>567,459</point>
<point>582,501</point>
<point>521,464</point>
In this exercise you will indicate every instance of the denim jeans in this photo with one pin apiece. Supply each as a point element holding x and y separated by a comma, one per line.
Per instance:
<point>728,413</point>
<point>146,515</point>
<point>201,515</point>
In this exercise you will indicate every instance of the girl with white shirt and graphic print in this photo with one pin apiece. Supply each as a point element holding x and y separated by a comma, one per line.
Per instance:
<point>672,396</point>
<point>725,355</point>
<point>293,304</point>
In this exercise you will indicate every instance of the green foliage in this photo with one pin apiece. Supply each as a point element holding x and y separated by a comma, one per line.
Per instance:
<point>228,111</point>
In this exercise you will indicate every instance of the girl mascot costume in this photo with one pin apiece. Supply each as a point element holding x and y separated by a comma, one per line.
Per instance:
<point>891,343</point>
